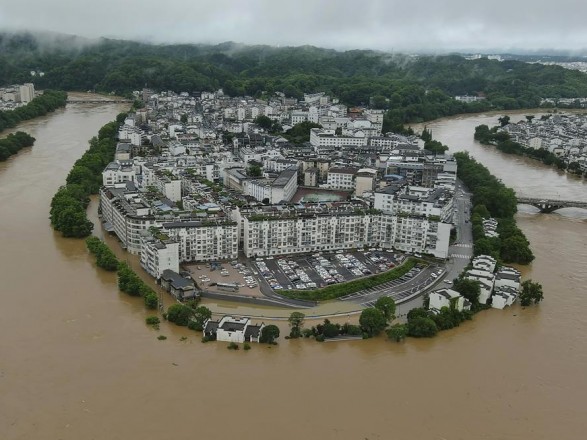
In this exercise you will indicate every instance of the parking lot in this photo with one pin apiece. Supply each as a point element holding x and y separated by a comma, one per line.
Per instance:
<point>208,276</point>
<point>320,270</point>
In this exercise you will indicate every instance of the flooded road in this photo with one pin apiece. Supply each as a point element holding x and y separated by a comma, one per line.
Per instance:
<point>78,362</point>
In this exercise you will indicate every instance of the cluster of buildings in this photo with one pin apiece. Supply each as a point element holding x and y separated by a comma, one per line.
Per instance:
<point>500,287</point>
<point>196,179</point>
<point>562,134</point>
<point>15,96</point>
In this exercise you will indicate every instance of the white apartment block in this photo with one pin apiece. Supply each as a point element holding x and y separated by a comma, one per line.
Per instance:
<point>437,202</point>
<point>206,240</point>
<point>26,92</point>
<point>157,255</point>
<point>317,228</point>
<point>118,172</point>
<point>327,138</point>
<point>283,188</point>
<point>342,178</point>
<point>127,215</point>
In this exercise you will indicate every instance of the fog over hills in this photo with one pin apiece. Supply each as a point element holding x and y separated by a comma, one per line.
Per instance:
<point>419,26</point>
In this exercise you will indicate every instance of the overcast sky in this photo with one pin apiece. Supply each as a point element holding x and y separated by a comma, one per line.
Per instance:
<point>408,25</point>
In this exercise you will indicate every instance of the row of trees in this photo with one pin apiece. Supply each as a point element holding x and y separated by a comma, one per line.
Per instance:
<point>105,258</point>
<point>373,320</point>
<point>491,198</point>
<point>13,143</point>
<point>49,101</point>
<point>68,206</point>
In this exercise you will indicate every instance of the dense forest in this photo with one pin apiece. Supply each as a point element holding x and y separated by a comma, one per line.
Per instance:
<point>412,88</point>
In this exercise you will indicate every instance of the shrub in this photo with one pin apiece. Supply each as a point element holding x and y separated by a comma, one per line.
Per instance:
<point>246,346</point>
<point>232,346</point>
<point>152,320</point>
<point>161,337</point>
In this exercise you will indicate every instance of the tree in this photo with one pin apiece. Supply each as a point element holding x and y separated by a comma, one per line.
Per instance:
<point>269,334</point>
<point>531,293</point>
<point>200,315</point>
<point>529,118</point>
<point>387,306</point>
<point>330,330</point>
<point>504,120</point>
<point>470,289</point>
<point>264,122</point>
<point>179,314</point>
<point>151,300</point>
<point>183,118</point>
<point>255,171</point>
<point>397,332</point>
<point>418,312</point>
<point>372,321</point>
<point>296,321</point>
<point>421,327</point>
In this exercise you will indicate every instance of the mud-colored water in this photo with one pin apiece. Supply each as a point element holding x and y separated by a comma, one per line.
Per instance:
<point>77,361</point>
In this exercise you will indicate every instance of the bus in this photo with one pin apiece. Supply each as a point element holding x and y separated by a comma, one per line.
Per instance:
<point>227,287</point>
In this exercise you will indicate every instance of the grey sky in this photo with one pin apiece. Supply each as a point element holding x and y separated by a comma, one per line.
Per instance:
<point>422,25</point>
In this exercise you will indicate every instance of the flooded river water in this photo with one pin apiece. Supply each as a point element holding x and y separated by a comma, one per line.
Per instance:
<point>77,361</point>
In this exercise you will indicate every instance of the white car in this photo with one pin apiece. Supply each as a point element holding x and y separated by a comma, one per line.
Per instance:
<point>448,281</point>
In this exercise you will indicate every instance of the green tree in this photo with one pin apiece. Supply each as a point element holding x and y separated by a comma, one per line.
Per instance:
<point>151,300</point>
<point>269,334</point>
<point>183,118</point>
<point>421,327</point>
<point>372,321</point>
<point>386,305</point>
<point>397,332</point>
<point>179,314</point>
<point>330,330</point>
<point>255,171</point>
<point>296,322</point>
<point>470,289</point>
<point>418,312</point>
<point>504,120</point>
<point>264,122</point>
<point>531,293</point>
<point>200,315</point>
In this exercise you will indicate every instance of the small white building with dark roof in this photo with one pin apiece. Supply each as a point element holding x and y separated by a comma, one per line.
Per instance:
<point>444,297</point>
<point>503,296</point>
<point>233,329</point>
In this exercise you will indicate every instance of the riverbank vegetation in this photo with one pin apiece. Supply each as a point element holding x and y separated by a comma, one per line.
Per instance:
<point>68,206</point>
<point>503,142</point>
<point>105,258</point>
<point>409,88</point>
<point>337,290</point>
<point>48,102</point>
<point>491,198</point>
<point>13,143</point>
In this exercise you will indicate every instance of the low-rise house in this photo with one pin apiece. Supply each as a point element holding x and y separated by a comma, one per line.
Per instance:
<point>484,262</point>
<point>446,298</point>
<point>233,329</point>
<point>180,287</point>
<point>507,277</point>
<point>485,279</point>
<point>503,296</point>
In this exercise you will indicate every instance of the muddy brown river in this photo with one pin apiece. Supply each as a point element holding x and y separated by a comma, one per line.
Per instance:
<point>77,361</point>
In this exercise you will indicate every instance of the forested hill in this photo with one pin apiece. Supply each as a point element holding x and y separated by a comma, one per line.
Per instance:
<point>417,88</point>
